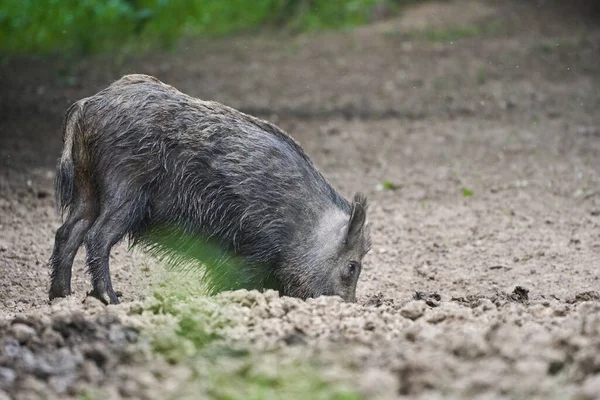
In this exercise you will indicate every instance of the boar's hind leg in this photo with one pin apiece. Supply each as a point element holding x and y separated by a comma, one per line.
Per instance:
<point>68,239</point>
<point>109,228</point>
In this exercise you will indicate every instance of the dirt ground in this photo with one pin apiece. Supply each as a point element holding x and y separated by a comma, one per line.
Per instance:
<point>484,116</point>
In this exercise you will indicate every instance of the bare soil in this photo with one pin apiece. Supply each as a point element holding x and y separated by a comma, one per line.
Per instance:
<point>484,276</point>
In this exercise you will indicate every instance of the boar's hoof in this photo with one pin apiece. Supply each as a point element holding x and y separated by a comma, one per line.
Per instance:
<point>57,292</point>
<point>106,297</point>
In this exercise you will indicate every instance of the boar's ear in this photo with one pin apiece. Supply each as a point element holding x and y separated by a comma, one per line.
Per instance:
<point>358,216</point>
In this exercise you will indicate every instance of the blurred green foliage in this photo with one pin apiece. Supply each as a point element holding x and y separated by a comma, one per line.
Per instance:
<point>88,26</point>
<point>190,330</point>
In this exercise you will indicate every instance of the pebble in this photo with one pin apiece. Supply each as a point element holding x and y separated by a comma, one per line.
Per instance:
<point>413,309</point>
<point>7,377</point>
<point>9,304</point>
<point>23,332</point>
<point>51,337</point>
<point>436,316</point>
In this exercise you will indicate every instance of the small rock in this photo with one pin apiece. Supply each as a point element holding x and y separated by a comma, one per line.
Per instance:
<point>3,395</point>
<point>560,311</point>
<point>7,377</point>
<point>22,332</point>
<point>413,309</point>
<point>276,311</point>
<point>51,337</point>
<point>9,303</point>
<point>436,316</point>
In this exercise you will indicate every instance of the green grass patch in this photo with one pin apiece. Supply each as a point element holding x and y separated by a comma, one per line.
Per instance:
<point>186,319</point>
<point>482,75</point>
<point>261,377</point>
<point>546,47</point>
<point>187,329</point>
<point>204,260</point>
<point>565,45</point>
<point>387,185</point>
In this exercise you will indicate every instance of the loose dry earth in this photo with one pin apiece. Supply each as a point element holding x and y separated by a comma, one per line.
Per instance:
<point>483,116</point>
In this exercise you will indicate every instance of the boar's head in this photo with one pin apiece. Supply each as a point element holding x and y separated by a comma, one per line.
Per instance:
<point>329,259</point>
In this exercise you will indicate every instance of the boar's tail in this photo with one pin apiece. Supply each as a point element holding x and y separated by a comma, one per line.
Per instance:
<point>64,183</point>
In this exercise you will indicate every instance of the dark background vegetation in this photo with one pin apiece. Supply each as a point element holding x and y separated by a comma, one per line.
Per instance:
<point>85,26</point>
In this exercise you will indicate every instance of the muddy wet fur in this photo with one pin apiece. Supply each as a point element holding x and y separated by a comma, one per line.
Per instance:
<point>200,185</point>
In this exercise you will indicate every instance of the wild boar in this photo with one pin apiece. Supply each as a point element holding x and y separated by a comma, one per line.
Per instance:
<point>177,174</point>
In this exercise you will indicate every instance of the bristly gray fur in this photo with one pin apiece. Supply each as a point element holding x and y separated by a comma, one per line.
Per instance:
<point>65,175</point>
<point>196,180</point>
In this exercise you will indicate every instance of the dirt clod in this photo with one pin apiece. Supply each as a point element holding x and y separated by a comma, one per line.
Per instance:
<point>471,300</point>
<point>520,294</point>
<point>413,309</point>
<point>7,377</point>
<point>591,295</point>
<point>431,299</point>
<point>22,332</point>
<point>378,300</point>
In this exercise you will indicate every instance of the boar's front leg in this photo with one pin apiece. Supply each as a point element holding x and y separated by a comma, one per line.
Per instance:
<point>109,228</point>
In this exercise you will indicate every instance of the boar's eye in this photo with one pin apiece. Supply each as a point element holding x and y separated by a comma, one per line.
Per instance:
<point>352,269</point>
